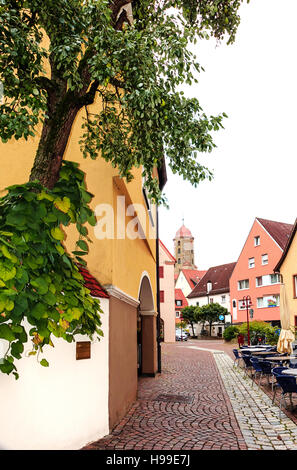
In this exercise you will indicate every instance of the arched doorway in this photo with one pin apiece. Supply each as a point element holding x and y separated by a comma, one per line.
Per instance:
<point>146,329</point>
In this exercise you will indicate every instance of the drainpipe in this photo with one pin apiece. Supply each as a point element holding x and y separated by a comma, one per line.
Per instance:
<point>158,294</point>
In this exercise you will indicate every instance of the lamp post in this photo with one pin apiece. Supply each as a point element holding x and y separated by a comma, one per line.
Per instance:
<point>247,302</point>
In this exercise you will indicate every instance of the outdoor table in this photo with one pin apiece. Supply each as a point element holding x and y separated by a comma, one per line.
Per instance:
<point>251,349</point>
<point>290,371</point>
<point>279,358</point>
<point>262,353</point>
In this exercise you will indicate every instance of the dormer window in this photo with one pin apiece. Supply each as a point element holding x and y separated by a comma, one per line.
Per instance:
<point>209,286</point>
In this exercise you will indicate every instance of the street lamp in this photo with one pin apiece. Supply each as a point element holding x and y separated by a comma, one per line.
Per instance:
<point>247,302</point>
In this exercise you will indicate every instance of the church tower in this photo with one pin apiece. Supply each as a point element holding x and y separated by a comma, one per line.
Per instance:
<point>184,249</point>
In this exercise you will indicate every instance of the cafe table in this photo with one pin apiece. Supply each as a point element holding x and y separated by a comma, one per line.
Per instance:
<point>262,353</point>
<point>251,349</point>
<point>290,371</point>
<point>279,358</point>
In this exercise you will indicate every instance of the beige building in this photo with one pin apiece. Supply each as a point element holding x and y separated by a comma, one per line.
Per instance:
<point>287,267</point>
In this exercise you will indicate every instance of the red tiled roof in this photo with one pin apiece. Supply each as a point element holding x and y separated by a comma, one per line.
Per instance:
<point>279,231</point>
<point>193,276</point>
<point>92,284</point>
<point>179,295</point>
<point>183,232</point>
<point>219,277</point>
<point>287,247</point>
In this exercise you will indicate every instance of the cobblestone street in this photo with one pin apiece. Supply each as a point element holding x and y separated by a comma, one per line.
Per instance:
<point>201,402</point>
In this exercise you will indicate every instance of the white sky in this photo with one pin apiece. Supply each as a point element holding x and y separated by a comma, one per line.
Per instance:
<point>254,81</point>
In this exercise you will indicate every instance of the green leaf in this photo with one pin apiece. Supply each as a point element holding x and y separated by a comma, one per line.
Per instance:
<point>6,272</point>
<point>6,332</point>
<point>83,245</point>
<point>44,363</point>
<point>57,233</point>
<point>38,311</point>
<point>40,284</point>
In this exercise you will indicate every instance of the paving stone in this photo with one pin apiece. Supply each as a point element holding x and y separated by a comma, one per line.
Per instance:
<point>222,407</point>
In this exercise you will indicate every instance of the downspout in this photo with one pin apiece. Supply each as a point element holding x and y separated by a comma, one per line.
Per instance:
<point>158,294</point>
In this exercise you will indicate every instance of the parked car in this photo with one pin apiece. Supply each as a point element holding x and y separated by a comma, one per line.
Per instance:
<point>181,336</point>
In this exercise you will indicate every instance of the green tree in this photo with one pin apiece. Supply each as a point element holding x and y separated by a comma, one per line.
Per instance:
<point>210,313</point>
<point>57,57</point>
<point>189,314</point>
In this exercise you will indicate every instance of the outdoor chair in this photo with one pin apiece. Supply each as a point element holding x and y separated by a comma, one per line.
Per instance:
<point>289,386</point>
<point>276,371</point>
<point>257,368</point>
<point>247,363</point>
<point>266,367</point>
<point>293,363</point>
<point>237,356</point>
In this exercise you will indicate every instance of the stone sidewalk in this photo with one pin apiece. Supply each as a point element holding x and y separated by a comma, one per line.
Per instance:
<point>200,402</point>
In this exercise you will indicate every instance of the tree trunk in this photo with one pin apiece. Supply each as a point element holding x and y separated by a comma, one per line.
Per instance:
<point>63,107</point>
<point>52,145</point>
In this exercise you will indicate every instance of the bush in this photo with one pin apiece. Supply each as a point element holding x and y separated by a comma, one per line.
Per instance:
<point>230,333</point>
<point>260,331</point>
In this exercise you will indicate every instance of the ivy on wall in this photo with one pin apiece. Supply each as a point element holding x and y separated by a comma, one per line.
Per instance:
<point>39,281</point>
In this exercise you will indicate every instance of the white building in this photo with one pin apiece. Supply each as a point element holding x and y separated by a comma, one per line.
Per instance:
<point>63,406</point>
<point>214,288</point>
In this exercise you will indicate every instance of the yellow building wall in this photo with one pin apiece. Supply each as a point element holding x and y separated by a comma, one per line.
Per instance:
<point>288,270</point>
<point>120,263</point>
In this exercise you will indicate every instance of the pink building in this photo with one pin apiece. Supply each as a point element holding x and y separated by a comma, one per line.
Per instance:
<point>167,309</point>
<point>254,275</point>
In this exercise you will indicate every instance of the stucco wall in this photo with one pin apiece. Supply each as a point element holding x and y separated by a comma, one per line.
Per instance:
<point>242,271</point>
<point>123,358</point>
<point>63,406</point>
<point>288,270</point>
<point>167,308</point>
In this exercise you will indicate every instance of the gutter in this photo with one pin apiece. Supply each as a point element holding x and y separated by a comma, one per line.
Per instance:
<point>158,295</point>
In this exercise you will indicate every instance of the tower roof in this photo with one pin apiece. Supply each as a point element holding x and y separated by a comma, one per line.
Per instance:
<point>183,232</point>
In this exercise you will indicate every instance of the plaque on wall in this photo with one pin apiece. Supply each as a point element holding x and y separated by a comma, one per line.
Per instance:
<point>83,350</point>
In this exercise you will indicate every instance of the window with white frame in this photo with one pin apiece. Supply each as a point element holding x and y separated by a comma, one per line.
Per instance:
<point>259,281</point>
<point>223,299</point>
<point>243,284</point>
<point>241,305</point>
<point>267,280</point>
<point>256,241</point>
<point>265,259</point>
<point>268,301</point>
<point>274,278</point>
<point>251,262</point>
<point>177,314</point>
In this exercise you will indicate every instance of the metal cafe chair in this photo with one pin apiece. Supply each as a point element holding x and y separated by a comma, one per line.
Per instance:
<point>289,386</point>
<point>247,363</point>
<point>237,356</point>
<point>293,362</point>
<point>266,367</point>
<point>276,371</point>
<point>257,368</point>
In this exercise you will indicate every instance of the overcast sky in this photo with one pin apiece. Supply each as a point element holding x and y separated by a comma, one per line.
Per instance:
<point>254,81</point>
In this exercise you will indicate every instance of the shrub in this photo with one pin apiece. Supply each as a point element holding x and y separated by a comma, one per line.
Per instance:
<point>260,331</point>
<point>230,333</point>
